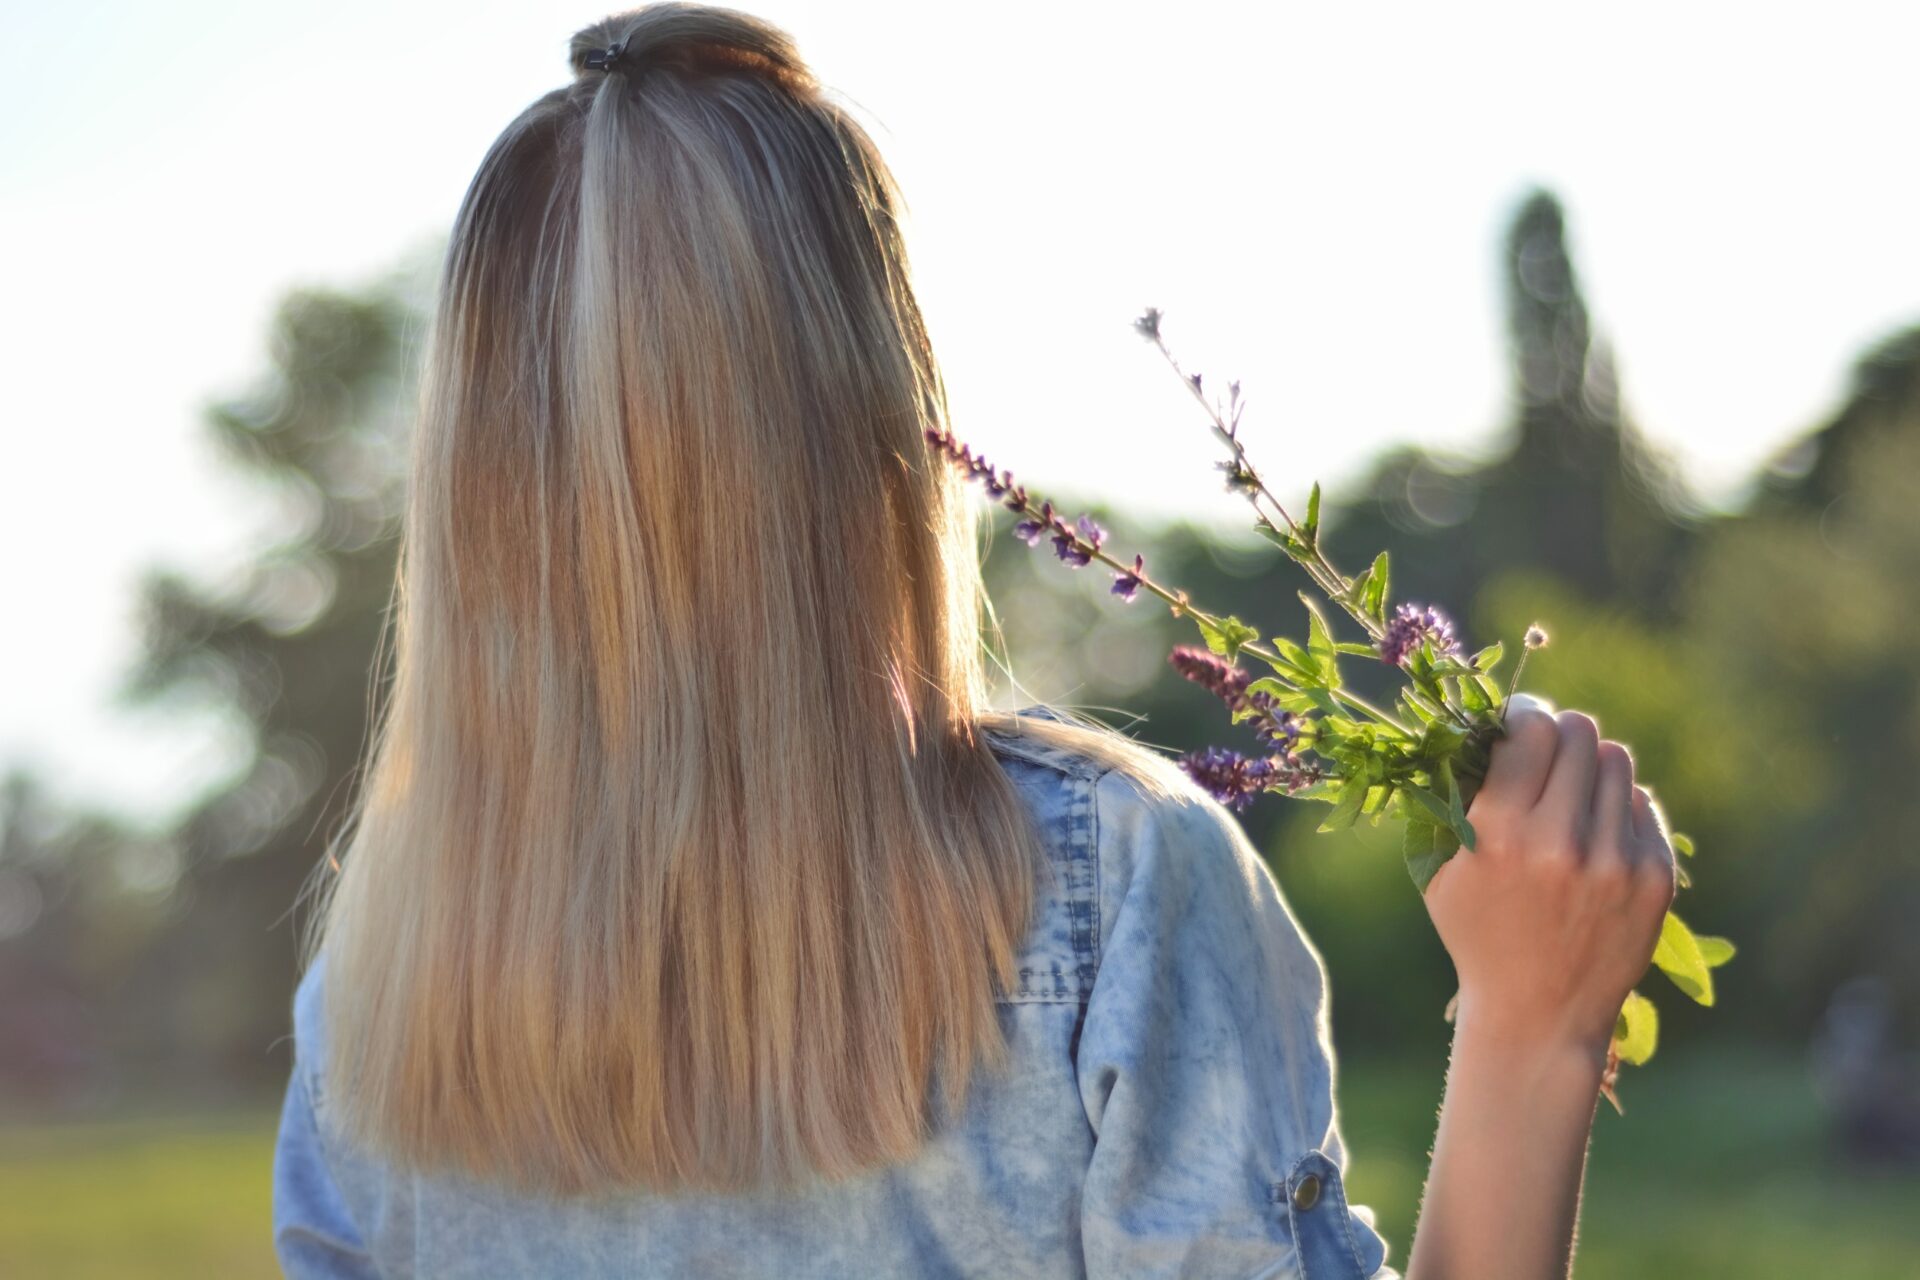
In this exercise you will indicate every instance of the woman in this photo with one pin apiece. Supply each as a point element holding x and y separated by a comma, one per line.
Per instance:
<point>699,918</point>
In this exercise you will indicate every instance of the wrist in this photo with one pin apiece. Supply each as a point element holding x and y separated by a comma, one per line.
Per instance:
<point>1532,1041</point>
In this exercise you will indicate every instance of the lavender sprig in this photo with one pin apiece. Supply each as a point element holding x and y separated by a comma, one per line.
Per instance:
<point>1234,780</point>
<point>1081,542</point>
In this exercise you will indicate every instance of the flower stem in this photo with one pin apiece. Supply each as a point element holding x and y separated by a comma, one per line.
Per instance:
<point>1332,583</point>
<point>1181,605</point>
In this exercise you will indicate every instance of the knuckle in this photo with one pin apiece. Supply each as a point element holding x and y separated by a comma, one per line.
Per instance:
<point>1560,864</point>
<point>1654,873</point>
<point>1526,722</point>
<point>1579,724</point>
<point>1616,753</point>
<point>1610,862</point>
<point>1492,824</point>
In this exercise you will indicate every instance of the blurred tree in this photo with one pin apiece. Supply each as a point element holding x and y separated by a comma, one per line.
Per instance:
<point>1574,491</point>
<point>1807,599</point>
<point>291,649</point>
<point>287,648</point>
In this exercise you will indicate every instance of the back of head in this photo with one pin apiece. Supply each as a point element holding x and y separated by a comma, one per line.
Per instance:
<point>677,859</point>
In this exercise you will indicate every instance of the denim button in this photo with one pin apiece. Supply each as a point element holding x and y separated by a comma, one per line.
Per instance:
<point>1306,1192</point>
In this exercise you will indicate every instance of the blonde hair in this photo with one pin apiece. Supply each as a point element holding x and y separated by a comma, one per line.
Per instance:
<point>678,859</point>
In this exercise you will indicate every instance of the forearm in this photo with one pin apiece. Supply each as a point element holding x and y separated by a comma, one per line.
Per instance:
<point>1503,1191</point>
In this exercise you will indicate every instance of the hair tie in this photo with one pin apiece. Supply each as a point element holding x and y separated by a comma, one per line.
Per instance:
<point>603,59</point>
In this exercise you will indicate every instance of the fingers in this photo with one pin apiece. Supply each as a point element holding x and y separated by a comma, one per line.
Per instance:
<point>1646,824</point>
<point>1611,820</point>
<point>1567,799</point>
<point>1518,765</point>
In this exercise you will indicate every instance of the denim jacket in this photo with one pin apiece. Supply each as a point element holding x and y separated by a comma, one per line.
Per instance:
<point>1168,1111</point>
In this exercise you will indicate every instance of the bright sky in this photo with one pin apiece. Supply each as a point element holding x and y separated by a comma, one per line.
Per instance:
<point>1315,195</point>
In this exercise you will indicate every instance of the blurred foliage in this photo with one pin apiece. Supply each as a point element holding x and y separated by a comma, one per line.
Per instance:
<point>169,959</point>
<point>1720,1170</point>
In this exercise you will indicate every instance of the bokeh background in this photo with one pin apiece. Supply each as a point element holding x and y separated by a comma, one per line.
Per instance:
<point>1606,318</point>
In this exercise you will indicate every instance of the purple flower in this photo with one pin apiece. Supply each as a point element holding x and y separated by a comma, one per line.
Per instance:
<point>1075,543</point>
<point>1213,673</point>
<point>1295,774</point>
<point>1234,780</point>
<point>1068,548</point>
<point>1127,585</point>
<point>1413,623</point>
<point>1227,776</point>
<point>1280,731</point>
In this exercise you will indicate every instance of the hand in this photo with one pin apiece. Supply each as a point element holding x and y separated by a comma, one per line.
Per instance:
<point>1554,914</point>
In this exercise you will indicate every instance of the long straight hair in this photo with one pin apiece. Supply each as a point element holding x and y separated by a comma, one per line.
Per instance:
<point>678,859</point>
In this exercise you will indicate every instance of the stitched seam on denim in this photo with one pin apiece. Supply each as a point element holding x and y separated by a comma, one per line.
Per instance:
<point>1346,1219</point>
<point>1042,997</point>
<point>1083,905</point>
<point>1099,868</point>
<point>1016,743</point>
<point>1064,869</point>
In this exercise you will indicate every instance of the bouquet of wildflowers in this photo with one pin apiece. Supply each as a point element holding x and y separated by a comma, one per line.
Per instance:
<point>1422,760</point>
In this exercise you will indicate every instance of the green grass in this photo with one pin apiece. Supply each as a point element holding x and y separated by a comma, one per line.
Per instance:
<point>188,1197</point>
<point>1719,1168</point>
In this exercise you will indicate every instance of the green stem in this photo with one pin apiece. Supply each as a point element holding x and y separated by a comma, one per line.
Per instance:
<point>1332,583</point>
<point>1181,605</point>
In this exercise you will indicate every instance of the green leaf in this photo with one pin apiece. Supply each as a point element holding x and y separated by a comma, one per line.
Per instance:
<point>1227,638</point>
<point>1304,667</point>
<point>1429,709</point>
<point>1438,739</point>
<point>1320,644</point>
<point>1376,602</point>
<point>1362,650</point>
<point>1310,531</point>
<point>1678,955</point>
<point>1715,951</point>
<point>1488,658</point>
<point>1428,846</point>
<point>1348,809</point>
<point>1682,843</point>
<point>1270,686</point>
<point>1473,697</point>
<point>1432,803</point>
<point>1355,595</point>
<point>1284,540</point>
<point>1455,814</point>
<point>1327,789</point>
<point>1491,687</point>
<point>1421,710</point>
<point>1637,1030</point>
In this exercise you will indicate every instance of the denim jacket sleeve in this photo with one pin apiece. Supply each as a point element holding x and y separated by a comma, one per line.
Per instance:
<point>313,1230</point>
<point>1205,1062</point>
